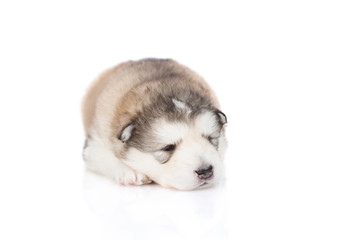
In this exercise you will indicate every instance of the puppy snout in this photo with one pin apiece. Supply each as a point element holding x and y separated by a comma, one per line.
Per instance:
<point>205,173</point>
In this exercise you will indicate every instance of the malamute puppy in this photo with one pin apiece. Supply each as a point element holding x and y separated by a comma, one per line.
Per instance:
<point>154,120</point>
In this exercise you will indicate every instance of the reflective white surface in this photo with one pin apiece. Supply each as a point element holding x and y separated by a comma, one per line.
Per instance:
<point>155,212</point>
<point>278,68</point>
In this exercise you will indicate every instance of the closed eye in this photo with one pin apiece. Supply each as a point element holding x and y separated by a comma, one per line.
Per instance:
<point>164,154</point>
<point>213,140</point>
<point>169,148</point>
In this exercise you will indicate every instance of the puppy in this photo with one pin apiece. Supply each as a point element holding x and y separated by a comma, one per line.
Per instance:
<point>154,120</point>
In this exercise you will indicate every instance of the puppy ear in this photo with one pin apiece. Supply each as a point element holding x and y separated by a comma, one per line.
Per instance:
<point>126,133</point>
<point>222,117</point>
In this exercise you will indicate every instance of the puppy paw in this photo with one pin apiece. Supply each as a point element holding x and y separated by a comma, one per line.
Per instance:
<point>131,177</point>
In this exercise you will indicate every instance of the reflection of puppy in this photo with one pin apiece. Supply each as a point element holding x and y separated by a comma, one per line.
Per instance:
<point>154,120</point>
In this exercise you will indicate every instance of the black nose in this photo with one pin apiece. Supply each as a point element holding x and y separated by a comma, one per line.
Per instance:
<point>205,173</point>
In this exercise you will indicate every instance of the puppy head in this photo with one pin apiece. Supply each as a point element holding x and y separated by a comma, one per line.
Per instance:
<point>182,148</point>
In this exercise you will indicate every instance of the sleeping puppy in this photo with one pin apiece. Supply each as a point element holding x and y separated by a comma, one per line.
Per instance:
<point>154,120</point>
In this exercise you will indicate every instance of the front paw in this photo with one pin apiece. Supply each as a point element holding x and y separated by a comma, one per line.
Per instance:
<point>131,177</point>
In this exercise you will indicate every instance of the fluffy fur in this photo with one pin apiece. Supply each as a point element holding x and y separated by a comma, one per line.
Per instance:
<point>154,120</point>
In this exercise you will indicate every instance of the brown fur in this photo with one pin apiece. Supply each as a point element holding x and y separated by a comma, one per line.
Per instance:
<point>93,92</point>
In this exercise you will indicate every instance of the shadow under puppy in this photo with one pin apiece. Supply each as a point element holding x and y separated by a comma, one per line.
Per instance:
<point>154,120</point>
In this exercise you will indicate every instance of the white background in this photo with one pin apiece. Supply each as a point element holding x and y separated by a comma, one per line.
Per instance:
<point>278,67</point>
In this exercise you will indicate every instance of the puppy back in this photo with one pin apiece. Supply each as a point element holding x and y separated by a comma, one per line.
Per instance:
<point>121,92</point>
<point>93,93</point>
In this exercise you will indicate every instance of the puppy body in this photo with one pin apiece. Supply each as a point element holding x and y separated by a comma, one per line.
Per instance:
<point>154,120</point>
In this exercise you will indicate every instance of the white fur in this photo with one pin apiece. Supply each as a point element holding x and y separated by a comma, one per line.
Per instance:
<point>169,133</point>
<point>99,158</point>
<point>181,105</point>
<point>193,153</point>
